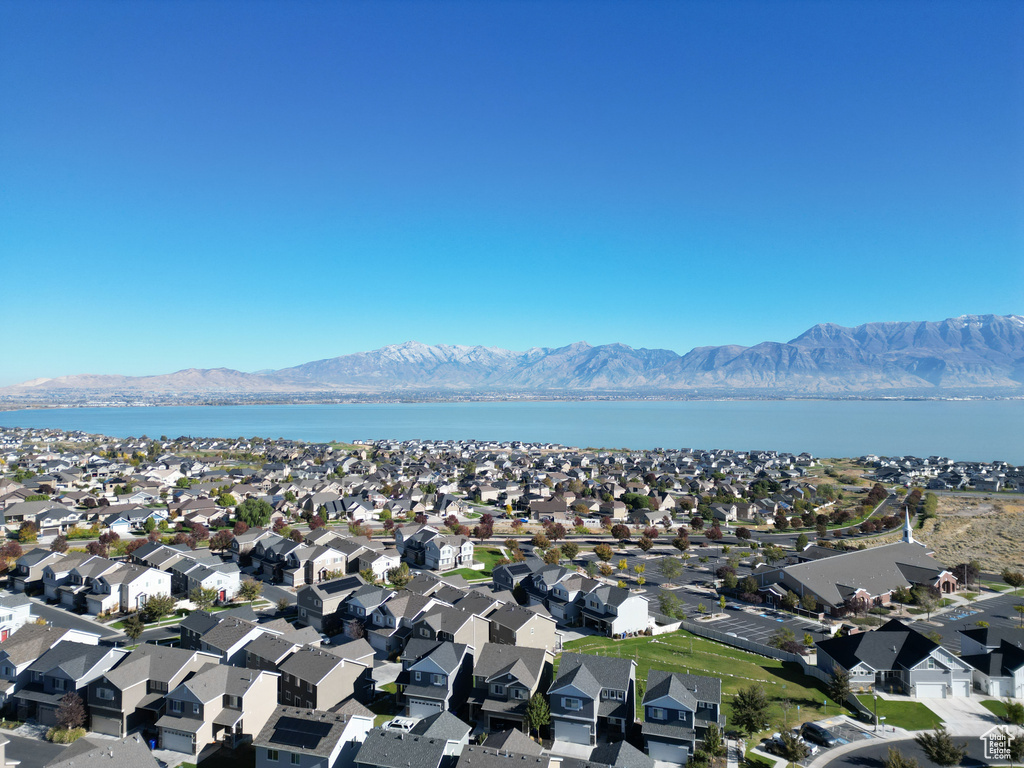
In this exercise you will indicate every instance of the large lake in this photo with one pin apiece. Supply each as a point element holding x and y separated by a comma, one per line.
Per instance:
<point>968,430</point>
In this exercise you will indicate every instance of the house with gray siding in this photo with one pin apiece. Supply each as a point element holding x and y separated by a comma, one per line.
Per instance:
<point>592,694</point>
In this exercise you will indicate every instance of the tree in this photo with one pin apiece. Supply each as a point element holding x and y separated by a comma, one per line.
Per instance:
<point>645,543</point>
<point>792,747</point>
<point>750,709</point>
<point>839,686</point>
<point>940,747</point>
<point>620,532</point>
<point>133,626</point>
<point>400,576</point>
<point>1014,578</point>
<point>538,713</point>
<point>809,603</point>
<point>681,542</point>
<point>553,556</point>
<point>742,533</point>
<point>790,600</point>
<point>1020,612</point>
<point>250,589</point>
<point>540,541</point>
<point>71,712</point>
<point>240,528</point>
<point>221,540</point>
<point>226,500</point>
<point>1014,712</point>
<point>801,542</point>
<point>714,533</point>
<point>59,544</point>
<point>159,606</point>
<point>28,532</point>
<point>604,552</point>
<point>774,554</point>
<point>570,550</point>
<point>714,744</point>
<point>670,568</point>
<point>924,598</point>
<point>203,597</point>
<point>255,513</point>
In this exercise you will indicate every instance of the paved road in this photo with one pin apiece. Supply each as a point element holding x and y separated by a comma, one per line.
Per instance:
<point>872,755</point>
<point>32,753</point>
<point>61,617</point>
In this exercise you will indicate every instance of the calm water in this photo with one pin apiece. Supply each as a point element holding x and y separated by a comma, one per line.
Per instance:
<point>977,430</point>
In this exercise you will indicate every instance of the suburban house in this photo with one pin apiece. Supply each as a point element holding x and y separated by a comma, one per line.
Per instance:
<point>446,727</point>
<point>858,580</point>
<point>615,610</point>
<point>26,645</point>
<point>130,751</point>
<point>68,667</point>
<point>896,658</point>
<point>512,624</point>
<point>504,679</point>
<point>15,612</point>
<point>435,676</point>
<point>318,679</point>
<point>311,738</point>
<point>28,571</point>
<point>126,588</point>
<point>390,624</point>
<point>678,709</point>
<point>996,657</point>
<point>429,548</point>
<point>317,602</point>
<point>448,623</point>
<point>218,704</point>
<point>591,695</point>
<point>508,575</point>
<point>131,695</point>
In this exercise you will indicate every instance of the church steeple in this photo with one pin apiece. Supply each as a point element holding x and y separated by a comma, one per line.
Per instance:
<point>908,535</point>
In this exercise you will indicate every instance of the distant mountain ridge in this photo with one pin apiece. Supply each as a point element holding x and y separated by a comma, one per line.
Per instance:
<point>968,354</point>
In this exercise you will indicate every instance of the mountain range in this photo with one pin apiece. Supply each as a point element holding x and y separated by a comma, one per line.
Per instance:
<point>968,355</point>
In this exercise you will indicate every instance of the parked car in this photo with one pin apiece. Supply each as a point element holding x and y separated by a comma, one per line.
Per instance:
<point>820,735</point>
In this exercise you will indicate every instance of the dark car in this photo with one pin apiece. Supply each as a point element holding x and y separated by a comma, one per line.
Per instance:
<point>820,735</point>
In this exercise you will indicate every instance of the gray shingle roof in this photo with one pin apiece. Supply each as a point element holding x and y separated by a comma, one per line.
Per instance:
<point>444,725</point>
<point>686,689</point>
<point>592,673</point>
<point>327,729</point>
<point>513,740</point>
<point>31,641</point>
<point>130,752</point>
<point>393,749</point>
<point>489,757</point>
<point>525,664</point>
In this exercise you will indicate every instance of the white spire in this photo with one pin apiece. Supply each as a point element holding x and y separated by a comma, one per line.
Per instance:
<point>908,535</point>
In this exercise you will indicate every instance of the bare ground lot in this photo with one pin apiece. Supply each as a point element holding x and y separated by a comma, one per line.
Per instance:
<point>969,528</point>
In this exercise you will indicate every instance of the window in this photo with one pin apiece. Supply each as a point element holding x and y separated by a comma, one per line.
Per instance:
<point>272,755</point>
<point>657,713</point>
<point>195,708</point>
<point>499,690</point>
<point>437,679</point>
<point>574,705</point>
<point>519,693</point>
<point>105,694</point>
<point>682,714</point>
<point>295,759</point>
<point>309,687</point>
<point>416,675</point>
<point>931,663</point>
<point>58,683</point>
<point>176,706</point>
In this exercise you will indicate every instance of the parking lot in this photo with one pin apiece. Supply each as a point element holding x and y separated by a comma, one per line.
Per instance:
<point>997,611</point>
<point>838,726</point>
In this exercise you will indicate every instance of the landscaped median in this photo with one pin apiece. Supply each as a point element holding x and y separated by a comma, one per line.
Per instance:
<point>794,697</point>
<point>909,715</point>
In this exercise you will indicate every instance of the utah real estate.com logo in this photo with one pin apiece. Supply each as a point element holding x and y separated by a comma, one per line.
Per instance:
<point>997,743</point>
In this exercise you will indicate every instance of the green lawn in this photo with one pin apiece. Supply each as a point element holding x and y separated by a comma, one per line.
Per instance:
<point>384,709</point>
<point>468,574</point>
<point>489,556</point>
<point>911,715</point>
<point>683,652</point>
<point>997,708</point>
<point>996,586</point>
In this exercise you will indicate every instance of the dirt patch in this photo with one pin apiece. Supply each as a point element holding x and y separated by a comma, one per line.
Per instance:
<point>988,530</point>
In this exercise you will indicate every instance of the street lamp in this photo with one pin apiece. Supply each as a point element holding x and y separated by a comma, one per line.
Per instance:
<point>876,713</point>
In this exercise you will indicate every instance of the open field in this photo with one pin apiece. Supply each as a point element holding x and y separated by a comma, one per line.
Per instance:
<point>683,652</point>
<point>968,528</point>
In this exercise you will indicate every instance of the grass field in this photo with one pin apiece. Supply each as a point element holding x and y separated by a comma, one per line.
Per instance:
<point>488,556</point>
<point>997,708</point>
<point>911,715</point>
<point>683,652</point>
<point>468,574</point>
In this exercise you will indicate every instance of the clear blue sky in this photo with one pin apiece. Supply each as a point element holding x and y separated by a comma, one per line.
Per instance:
<point>259,184</point>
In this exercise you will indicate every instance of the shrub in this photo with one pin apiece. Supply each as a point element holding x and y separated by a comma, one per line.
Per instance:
<point>64,736</point>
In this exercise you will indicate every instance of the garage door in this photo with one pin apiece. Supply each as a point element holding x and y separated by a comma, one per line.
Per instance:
<point>420,708</point>
<point>576,733</point>
<point>108,725</point>
<point>930,691</point>
<point>961,687</point>
<point>179,741</point>
<point>670,753</point>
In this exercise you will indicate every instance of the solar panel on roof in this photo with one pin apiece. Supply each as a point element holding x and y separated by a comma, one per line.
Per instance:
<point>294,732</point>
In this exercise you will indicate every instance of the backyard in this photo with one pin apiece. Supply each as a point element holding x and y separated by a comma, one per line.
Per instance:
<point>794,697</point>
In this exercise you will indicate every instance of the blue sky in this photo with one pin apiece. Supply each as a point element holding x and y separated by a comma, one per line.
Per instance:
<point>259,184</point>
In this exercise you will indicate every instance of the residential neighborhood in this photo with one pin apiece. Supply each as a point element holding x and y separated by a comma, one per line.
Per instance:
<point>422,602</point>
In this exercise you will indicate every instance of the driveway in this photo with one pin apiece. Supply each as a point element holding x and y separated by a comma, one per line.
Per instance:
<point>963,716</point>
<point>570,749</point>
